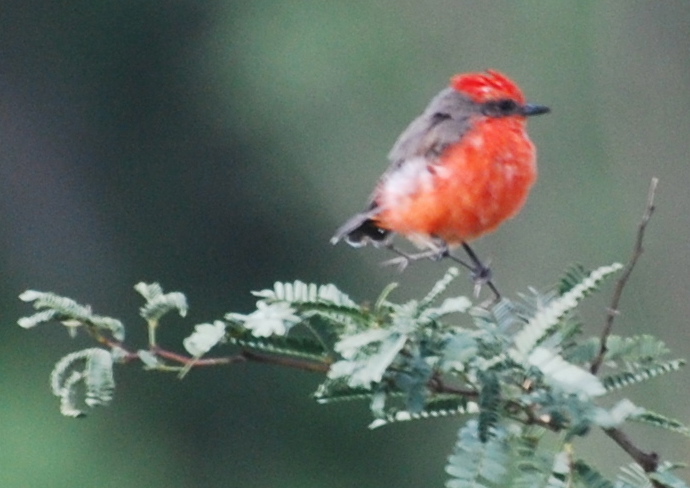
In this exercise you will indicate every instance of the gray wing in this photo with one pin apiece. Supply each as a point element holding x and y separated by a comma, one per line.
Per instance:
<point>443,122</point>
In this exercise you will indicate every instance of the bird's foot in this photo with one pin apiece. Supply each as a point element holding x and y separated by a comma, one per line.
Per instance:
<point>404,259</point>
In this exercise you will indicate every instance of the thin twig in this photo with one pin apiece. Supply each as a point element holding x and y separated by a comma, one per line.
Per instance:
<point>649,461</point>
<point>187,360</point>
<point>622,281</point>
<point>243,356</point>
<point>296,363</point>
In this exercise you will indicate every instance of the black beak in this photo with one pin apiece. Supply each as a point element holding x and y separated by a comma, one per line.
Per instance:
<point>530,109</point>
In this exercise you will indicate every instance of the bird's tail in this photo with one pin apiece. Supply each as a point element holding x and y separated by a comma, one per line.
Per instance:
<point>362,229</point>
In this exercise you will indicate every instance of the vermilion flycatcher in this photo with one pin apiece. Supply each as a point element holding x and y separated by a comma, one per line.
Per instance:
<point>458,171</point>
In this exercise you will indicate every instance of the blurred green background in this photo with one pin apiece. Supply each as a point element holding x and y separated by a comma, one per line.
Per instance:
<point>215,146</point>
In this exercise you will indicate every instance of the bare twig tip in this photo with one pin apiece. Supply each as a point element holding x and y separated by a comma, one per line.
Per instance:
<point>613,310</point>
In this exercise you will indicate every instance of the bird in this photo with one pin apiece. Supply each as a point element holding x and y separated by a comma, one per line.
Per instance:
<point>457,172</point>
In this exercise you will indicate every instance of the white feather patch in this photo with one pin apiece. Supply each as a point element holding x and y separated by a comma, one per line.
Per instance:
<point>406,180</point>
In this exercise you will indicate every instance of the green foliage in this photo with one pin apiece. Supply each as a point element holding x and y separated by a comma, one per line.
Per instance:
<point>546,318</point>
<point>633,476</point>
<point>585,475</point>
<point>205,336</point>
<point>489,403</point>
<point>438,406</point>
<point>159,303</point>
<point>520,370</point>
<point>641,373</point>
<point>92,368</point>
<point>479,463</point>
<point>300,347</point>
<point>664,477</point>
<point>69,313</point>
<point>622,352</point>
<point>661,421</point>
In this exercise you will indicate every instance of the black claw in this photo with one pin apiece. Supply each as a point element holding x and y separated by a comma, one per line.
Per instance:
<point>482,274</point>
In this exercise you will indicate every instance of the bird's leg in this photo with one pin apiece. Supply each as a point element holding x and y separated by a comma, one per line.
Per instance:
<point>405,258</point>
<point>438,249</point>
<point>481,274</point>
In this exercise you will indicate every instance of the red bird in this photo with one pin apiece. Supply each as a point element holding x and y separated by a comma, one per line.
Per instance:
<point>457,172</point>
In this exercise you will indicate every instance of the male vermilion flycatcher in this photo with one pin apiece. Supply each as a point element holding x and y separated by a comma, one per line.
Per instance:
<point>458,171</point>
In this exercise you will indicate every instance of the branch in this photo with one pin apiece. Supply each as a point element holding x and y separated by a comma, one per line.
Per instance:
<point>191,362</point>
<point>622,281</point>
<point>648,460</point>
<point>304,365</point>
<point>437,385</point>
<point>243,356</point>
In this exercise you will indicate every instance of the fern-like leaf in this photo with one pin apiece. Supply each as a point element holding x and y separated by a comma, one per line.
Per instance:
<point>303,300</point>
<point>339,317</point>
<point>298,292</point>
<point>438,288</point>
<point>572,277</point>
<point>449,306</point>
<point>61,305</point>
<point>298,347</point>
<point>367,356</point>
<point>159,303</point>
<point>506,315</point>
<point>548,316</point>
<point>489,403</point>
<point>69,312</point>
<point>478,464</point>
<point>564,375</point>
<point>640,374</point>
<point>636,349</point>
<point>656,419</point>
<point>204,337</point>
<point>587,476</point>
<point>96,375</point>
<point>37,318</point>
<point>632,476</point>
<point>619,350</point>
<point>274,318</point>
<point>533,467</point>
<point>446,406</point>
<point>560,475</point>
<point>333,391</point>
<point>664,477</point>
<point>584,352</point>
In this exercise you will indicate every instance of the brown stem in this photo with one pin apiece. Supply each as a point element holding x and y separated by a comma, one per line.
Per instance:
<point>648,460</point>
<point>245,355</point>
<point>303,364</point>
<point>437,385</point>
<point>622,281</point>
<point>186,360</point>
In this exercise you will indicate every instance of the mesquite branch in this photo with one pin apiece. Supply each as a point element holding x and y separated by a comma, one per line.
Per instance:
<point>188,362</point>
<point>623,280</point>
<point>649,461</point>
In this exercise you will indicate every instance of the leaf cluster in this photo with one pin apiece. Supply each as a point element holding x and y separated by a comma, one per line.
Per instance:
<point>519,372</point>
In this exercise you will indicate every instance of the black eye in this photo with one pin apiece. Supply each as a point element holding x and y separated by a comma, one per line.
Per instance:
<point>501,108</point>
<point>507,106</point>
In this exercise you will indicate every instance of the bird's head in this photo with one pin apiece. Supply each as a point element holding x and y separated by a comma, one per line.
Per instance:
<point>498,95</point>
